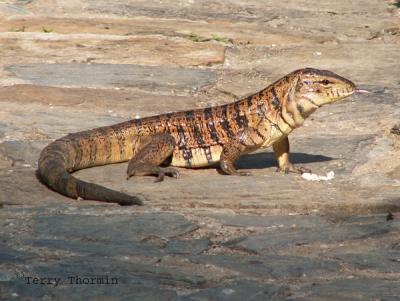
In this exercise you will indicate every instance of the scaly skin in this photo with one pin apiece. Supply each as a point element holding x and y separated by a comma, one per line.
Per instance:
<point>194,138</point>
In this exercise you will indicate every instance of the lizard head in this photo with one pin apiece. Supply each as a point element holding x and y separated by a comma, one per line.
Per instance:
<point>312,89</point>
<point>322,86</point>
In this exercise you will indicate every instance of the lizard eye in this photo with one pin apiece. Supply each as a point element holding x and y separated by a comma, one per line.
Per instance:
<point>325,82</point>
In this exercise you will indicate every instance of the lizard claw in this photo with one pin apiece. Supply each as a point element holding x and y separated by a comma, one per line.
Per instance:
<point>293,168</point>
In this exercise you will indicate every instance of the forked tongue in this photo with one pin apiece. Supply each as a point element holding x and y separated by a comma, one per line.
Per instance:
<point>362,91</point>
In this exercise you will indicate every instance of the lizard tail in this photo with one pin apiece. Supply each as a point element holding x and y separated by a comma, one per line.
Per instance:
<point>65,155</point>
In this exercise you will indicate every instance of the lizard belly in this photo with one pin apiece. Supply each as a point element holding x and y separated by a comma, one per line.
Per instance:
<point>196,157</point>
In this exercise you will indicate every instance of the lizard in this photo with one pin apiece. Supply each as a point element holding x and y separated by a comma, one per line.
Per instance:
<point>193,138</point>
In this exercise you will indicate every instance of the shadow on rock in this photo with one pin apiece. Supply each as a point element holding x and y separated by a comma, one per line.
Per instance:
<point>264,160</point>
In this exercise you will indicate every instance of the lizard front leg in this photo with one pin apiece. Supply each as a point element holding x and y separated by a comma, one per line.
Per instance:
<point>245,141</point>
<point>281,150</point>
<point>149,152</point>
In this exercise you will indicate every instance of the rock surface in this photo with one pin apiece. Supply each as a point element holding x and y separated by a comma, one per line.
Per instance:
<point>67,66</point>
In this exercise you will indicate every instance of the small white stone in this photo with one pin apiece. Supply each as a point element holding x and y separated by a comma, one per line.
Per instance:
<point>228,291</point>
<point>313,177</point>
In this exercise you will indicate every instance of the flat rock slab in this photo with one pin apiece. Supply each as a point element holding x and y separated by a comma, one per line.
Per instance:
<point>127,273</point>
<point>235,10</point>
<point>353,290</point>
<point>21,152</point>
<point>122,247</point>
<point>7,10</point>
<point>240,290</point>
<point>304,236</point>
<point>147,234</point>
<point>153,50</point>
<point>114,75</point>
<point>189,246</point>
<point>302,221</point>
<point>271,266</point>
<point>11,255</point>
<point>385,261</point>
<point>347,59</point>
<point>19,288</point>
<point>133,227</point>
<point>210,38</point>
<point>122,101</point>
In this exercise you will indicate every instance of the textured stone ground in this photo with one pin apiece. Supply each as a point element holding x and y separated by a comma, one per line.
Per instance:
<point>69,65</point>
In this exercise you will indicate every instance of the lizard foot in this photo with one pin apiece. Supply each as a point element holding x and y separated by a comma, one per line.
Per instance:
<point>239,173</point>
<point>169,171</point>
<point>144,169</point>
<point>293,168</point>
<point>229,169</point>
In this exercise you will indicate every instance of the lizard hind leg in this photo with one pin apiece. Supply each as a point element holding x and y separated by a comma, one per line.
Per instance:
<point>149,152</point>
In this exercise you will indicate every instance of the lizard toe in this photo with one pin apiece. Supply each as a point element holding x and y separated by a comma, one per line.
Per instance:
<point>293,168</point>
<point>302,169</point>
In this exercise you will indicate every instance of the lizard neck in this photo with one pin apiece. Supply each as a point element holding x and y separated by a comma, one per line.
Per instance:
<point>283,108</point>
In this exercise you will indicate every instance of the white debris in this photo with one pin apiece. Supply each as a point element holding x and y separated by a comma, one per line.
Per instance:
<point>313,177</point>
<point>228,291</point>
